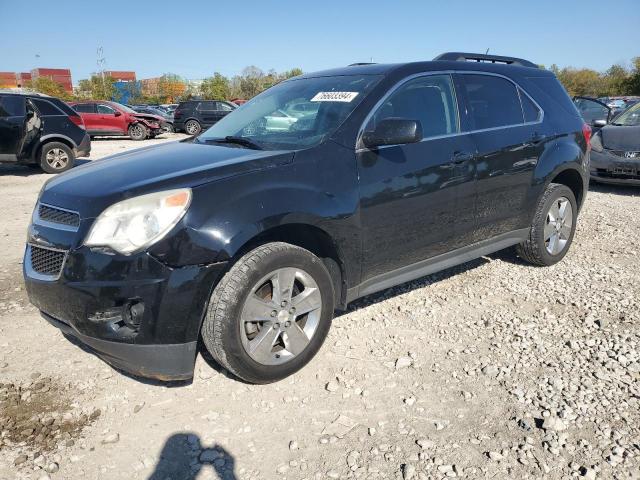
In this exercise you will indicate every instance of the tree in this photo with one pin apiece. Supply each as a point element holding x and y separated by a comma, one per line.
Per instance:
<point>97,88</point>
<point>48,87</point>
<point>171,87</point>
<point>216,87</point>
<point>632,83</point>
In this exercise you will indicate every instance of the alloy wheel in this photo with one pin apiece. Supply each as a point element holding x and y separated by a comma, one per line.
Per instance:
<point>192,127</point>
<point>57,158</point>
<point>280,316</point>
<point>559,225</point>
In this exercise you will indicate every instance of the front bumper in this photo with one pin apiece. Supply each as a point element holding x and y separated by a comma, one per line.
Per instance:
<point>92,299</point>
<point>613,169</point>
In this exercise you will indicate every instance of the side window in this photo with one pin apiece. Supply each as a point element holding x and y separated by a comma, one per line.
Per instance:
<point>46,108</point>
<point>207,106</point>
<point>85,108</point>
<point>11,106</point>
<point>105,110</point>
<point>493,101</point>
<point>224,107</point>
<point>429,99</point>
<point>529,109</point>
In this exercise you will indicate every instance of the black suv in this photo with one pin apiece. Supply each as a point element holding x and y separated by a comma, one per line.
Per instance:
<point>41,130</point>
<point>250,235</point>
<point>193,116</point>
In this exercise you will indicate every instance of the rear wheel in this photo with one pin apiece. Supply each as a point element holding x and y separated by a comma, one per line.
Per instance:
<point>192,127</point>
<point>56,157</point>
<point>553,227</point>
<point>138,132</point>
<point>270,314</point>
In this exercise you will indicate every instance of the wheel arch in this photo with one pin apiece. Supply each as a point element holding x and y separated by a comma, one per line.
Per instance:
<point>572,178</point>
<point>50,139</point>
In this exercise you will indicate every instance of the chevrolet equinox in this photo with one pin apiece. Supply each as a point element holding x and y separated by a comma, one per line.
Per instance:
<point>324,188</point>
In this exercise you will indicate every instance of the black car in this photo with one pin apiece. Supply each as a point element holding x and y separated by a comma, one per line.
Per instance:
<point>249,237</point>
<point>42,131</point>
<point>193,116</point>
<point>615,156</point>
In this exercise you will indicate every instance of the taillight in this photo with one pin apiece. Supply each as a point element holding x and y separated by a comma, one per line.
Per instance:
<point>586,131</point>
<point>77,119</point>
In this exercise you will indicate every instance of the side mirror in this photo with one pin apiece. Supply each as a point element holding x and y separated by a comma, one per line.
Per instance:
<point>599,123</point>
<point>393,131</point>
<point>117,113</point>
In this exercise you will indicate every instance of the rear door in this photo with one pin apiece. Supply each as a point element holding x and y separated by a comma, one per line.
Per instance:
<point>506,126</point>
<point>12,119</point>
<point>89,116</point>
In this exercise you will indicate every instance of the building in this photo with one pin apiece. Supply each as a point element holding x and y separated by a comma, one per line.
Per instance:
<point>22,78</point>
<point>58,75</point>
<point>150,86</point>
<point>121,76</point>
<point>8,80</point>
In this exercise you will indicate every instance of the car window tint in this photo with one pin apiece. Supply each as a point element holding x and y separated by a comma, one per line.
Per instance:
<point>428,99</point>
<point>84,108</point>
<point>105,110</point>
<point>224,107</point>
<point>11,106</point>
<point>207,106</point>
<point>46,108</point>
<point>529,109</point>
<point>493,101</point>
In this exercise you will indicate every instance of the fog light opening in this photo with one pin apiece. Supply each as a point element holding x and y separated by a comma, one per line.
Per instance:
<point>133,313</point>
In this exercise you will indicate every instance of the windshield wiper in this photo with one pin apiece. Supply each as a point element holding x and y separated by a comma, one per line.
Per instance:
<point>245,142</point>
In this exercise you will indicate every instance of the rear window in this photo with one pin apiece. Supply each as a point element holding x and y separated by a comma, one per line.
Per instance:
<point>493,101</point>
<point>11,106</point>
<point>46,108</point>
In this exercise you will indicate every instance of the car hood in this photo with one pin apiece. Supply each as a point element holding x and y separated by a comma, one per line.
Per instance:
<point>615,137</point>
<point>90,188</point>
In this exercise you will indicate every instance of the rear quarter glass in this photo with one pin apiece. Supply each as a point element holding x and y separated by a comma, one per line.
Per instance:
<point>550,88</point>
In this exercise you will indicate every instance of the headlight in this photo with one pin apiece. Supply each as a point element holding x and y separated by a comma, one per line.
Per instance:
<point>596,142</point>
<point>135,224</point>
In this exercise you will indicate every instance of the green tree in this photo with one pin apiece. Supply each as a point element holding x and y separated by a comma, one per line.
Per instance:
<point>48,87</point>
<point>216,88</point>
<point>632,84</point>
<point>97,87</point>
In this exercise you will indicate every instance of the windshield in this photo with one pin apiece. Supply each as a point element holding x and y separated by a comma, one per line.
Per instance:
<point>630,117</point>
<point>124,108</point>
<point>294,114</point>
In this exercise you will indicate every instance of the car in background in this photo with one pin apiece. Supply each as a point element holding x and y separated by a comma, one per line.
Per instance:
<point>105,118</point>
<point>39,130</point>
<point>168,107</point>
<point>594,112</point>
<point>615,149</point>
<point>193,116</point>
<point>167,123</point>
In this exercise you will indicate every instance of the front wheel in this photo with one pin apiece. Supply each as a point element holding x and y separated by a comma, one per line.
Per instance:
<point>138,132</point>
<point>553,227</point>
<point>56,157</point>
<point>270,313</point>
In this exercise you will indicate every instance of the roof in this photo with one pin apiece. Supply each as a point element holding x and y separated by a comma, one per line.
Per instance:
<point>24,93</point>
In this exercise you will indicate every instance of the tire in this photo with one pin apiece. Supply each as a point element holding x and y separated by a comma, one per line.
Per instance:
<point>138,132</point>
<point>192,127</point>
<point>228,336</point>
<point>56,157</point>
<point>540,248</point>
<point>169,128</point>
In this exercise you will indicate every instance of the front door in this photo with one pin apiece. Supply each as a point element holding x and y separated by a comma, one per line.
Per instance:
<point>110,119</point>
<point>410,193</point>
<point>12,122</point>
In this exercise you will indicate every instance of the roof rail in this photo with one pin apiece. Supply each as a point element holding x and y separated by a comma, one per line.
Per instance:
<point>479,57</point>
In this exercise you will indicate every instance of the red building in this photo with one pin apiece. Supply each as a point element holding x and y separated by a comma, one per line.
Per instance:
<point>22,78</point>
<point>8,80</point>
<point>58,75</point>
<point>121,76</point>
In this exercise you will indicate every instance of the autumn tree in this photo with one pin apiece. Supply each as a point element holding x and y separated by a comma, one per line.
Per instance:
<point>47,86</point>
<point>216,87</point>
<point>171,87</point>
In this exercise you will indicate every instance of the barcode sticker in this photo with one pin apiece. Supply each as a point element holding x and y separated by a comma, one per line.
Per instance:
<point>334,96</point>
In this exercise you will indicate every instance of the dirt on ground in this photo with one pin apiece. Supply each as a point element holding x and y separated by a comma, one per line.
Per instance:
<point>494,369</point>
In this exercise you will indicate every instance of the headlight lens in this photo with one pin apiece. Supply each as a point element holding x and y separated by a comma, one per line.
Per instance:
<point>137,223</point>
<point>596,142</point>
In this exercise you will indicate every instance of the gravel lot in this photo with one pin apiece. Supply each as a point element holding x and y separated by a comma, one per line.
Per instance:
<point>494,369</point>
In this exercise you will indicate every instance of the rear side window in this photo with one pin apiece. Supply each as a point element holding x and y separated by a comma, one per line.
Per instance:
<point>11,106</point>
<point>46,108</point>
<point>550,87</point>
<point>428,99</point>
<point>493,101</point>
<point>224,107</point>
<point>85,108</point>
<point>529,109</point>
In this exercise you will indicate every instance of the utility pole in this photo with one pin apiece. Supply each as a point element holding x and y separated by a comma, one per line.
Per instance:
<point>101,63</point>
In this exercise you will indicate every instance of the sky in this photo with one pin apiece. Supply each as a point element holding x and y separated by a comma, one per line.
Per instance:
<point>196,38</point>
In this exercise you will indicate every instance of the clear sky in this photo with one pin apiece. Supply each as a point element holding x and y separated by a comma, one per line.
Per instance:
<point>195,38</point>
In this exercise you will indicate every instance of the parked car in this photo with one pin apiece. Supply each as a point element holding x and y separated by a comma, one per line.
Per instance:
<point>250,238</point>
<point>615,156</point>
<point>167,118</point>
<point>193,116</point>
<point>595,112</point>
<point>104,118</point>
<point>39,130</point>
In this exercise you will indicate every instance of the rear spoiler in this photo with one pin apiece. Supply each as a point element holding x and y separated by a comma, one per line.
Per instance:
<point>479,57</point>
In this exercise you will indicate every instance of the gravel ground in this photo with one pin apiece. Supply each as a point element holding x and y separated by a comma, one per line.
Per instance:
<point>494,369</point>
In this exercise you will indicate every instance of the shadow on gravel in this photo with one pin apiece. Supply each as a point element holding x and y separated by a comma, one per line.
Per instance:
<point>27,171</point>
<point>183,457</point>
<point>627,190</point>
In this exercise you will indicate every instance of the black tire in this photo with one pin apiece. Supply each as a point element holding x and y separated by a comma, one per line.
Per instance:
<point>56,157</point>
<point>192,127</point>
<point>138,132</point>
<point>221,329</point>
<point>534,248</point>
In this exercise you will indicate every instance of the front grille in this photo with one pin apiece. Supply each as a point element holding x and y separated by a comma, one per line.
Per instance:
<point>57,215</point>
<point>46,261</point>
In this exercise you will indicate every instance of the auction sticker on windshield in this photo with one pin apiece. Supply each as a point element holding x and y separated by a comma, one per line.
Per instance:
<point>334,96</point>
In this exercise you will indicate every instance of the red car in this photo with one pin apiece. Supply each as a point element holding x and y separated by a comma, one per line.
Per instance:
<point>104,118</point>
